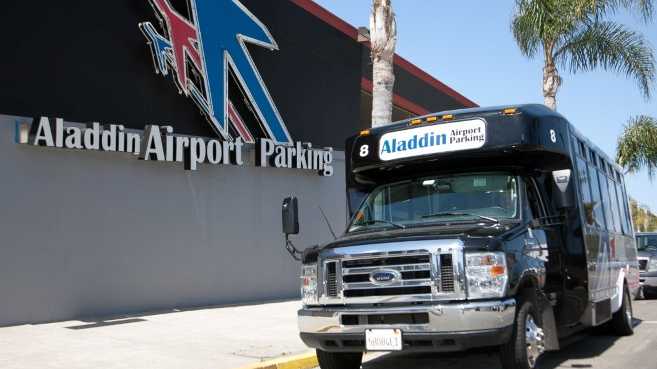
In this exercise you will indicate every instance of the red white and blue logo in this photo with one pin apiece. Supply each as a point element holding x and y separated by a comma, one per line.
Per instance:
<point>202,50</point>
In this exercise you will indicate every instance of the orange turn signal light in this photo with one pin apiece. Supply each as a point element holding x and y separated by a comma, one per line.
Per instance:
<point>509,111</point>
<point>365,132</point>
<point>497,270</point>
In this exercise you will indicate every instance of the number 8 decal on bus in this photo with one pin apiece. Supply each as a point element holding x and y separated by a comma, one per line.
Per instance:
<point>364,151</point>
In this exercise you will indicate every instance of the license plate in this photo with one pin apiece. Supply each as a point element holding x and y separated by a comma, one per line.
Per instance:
<point>383,340</point>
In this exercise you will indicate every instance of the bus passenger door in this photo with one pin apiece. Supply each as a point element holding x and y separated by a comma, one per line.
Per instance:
<point>564,277</point>
<point>553,282</point>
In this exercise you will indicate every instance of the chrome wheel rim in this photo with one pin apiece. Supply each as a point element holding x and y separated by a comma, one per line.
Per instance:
<point>534,338</point>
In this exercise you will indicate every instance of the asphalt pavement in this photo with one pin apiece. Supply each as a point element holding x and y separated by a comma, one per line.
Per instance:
<point>235,336</point>
<point>592,350</point>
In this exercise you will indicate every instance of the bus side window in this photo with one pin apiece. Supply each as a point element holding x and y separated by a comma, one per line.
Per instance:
<point>596,198</point>
<point>606,201</point>
<point>585,188</point>
<point>621,213</point>
<point>626,206</point>
<point>604,195</point>
<point>613,201</point>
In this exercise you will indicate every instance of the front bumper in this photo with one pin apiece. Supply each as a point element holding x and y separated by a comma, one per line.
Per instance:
<point>448,327</point>
<point>648,279</point>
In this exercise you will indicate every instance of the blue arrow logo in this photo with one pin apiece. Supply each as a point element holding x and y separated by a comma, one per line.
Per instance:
<point>213,41</point>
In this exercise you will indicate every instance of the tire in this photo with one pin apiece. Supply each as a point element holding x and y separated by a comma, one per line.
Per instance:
<point>650,293</point>
<point>622,322</point>
<point>515,353</point>
<point>339,360</point>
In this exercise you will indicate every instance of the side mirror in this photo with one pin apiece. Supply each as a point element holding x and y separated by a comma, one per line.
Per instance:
<point>563,194</point>
<point>290,212</point>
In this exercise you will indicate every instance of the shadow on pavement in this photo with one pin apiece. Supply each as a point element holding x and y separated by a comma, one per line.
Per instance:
<point>138,316</point>
<point>103,323</point>
<point>588,345</point>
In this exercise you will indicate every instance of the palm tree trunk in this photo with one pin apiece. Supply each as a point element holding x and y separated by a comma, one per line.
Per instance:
<point>383,38</point>
<point>551,79</point>
<point>551,83</point>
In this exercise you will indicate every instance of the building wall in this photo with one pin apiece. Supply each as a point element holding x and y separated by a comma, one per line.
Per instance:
<point>90,233</point>
<point>85,62</point>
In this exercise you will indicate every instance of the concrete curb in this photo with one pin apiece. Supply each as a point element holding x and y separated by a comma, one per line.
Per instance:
<point>303,361</point>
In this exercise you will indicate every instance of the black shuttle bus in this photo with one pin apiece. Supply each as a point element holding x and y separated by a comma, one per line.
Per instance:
<point>478,227</point>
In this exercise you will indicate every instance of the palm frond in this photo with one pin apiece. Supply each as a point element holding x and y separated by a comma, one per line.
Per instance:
<point>612,47</point>
<point>644,7</point>
<point>602,8</point>
<point>544,23</point>
<point>637,147</point>
<point>527,24</point>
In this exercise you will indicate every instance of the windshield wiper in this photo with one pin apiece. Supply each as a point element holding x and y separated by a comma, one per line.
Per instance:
<point>374,221</point>
<point>456,214</point>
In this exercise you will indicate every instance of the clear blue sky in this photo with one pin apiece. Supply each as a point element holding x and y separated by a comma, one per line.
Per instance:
<point>467,45</point>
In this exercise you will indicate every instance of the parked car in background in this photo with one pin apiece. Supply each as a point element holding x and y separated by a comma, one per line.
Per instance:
<point>647,246</point>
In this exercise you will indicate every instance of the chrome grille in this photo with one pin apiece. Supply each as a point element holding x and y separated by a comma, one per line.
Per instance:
<point>405,260</point>
<point>331,279</point>
<point>446,273</point>
<point>387,291</point>
<point>395,272</point>
<point>414,273</point>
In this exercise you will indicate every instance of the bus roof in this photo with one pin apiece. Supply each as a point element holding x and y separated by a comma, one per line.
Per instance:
<point>595,148</point>
<point>531,133</point>
<point>537,110</point>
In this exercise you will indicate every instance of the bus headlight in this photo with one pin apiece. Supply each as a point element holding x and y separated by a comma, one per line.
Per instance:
<point>309,284</point>
<point>652,264</point>
<point>486,274</point>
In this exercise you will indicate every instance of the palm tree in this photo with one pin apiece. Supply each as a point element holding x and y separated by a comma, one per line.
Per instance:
<point>636,214</point>
<point>573,35</point>
<point>637,147</point>
<point>383,39</point>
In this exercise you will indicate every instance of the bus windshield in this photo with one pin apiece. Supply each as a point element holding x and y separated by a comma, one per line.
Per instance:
<point>647,242</point>
<point>487,197</point>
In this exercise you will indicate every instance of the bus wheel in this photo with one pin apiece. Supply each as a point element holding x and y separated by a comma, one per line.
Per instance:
<point>650,293</point>
<point>339,360</point>
<point>621,322</point>
<point>527,342</point>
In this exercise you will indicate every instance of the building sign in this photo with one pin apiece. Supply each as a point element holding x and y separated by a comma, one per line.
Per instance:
<point>208,44</point>
<point>201,54</point>
<point>160,143</point>
<point>437,138</point>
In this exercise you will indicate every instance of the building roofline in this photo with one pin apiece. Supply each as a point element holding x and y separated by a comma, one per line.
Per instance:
<point>336,22</point>
<point>397,100</point>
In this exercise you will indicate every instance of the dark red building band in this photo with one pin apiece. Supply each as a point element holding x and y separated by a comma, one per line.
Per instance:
<point>397,100</point>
